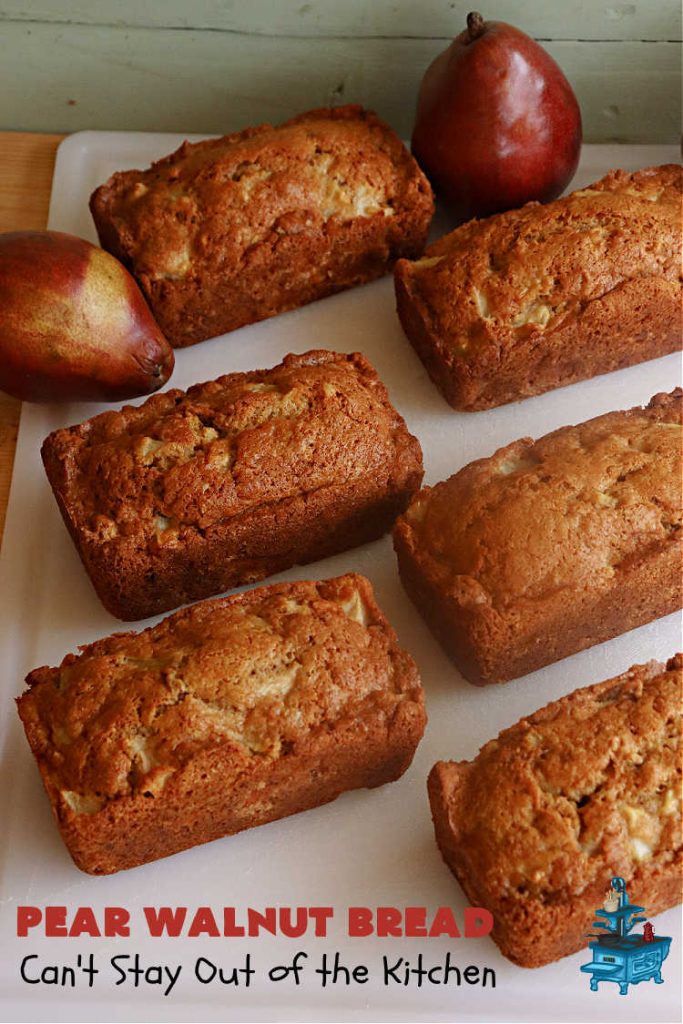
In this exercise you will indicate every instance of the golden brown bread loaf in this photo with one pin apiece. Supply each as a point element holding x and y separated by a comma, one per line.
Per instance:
<point>195,492</point>
<point>537,298</point>
<point>229,231</point>
<point>548,547</point>
<point>587,788</point>
<point>225,715</point>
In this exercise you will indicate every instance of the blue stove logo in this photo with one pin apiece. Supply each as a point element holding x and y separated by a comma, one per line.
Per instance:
<point>618,956</point>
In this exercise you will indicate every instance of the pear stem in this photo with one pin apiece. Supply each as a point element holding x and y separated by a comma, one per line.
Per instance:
<point>475,25</point>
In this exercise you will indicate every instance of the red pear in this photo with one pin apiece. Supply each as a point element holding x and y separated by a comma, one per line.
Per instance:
<point>497,122</point>
<point>74,324</point>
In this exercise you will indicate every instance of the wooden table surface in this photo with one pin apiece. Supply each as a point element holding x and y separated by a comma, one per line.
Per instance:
<point>26,162</point>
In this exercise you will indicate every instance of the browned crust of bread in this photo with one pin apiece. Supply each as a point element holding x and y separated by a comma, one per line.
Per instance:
<point>594,277</point>
<point>229,231</point>
<point>537,825</point>
<point>549,547</point>
<point>232,481</point>
<point>224,716</point>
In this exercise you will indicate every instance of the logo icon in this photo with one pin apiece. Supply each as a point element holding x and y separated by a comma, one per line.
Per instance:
<point>618,956</point>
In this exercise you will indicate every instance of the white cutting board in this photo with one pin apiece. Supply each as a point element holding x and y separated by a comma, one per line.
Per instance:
<point>370,848</point>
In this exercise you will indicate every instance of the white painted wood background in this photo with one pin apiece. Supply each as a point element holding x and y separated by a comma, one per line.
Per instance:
<point>216,65</point>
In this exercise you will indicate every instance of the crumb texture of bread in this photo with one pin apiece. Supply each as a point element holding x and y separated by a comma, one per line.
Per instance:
<point>587,788</point>
<point>228,231</point>
<point>537,298</point>
<point>225,715</point>
<point>195,492</point>
<point>550,546</point>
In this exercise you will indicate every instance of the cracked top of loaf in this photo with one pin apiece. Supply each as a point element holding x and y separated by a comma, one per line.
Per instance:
<point>255,673</point>
<point>219,197</point>
<point>227,231</point>
<point>541,517</point>
<point>591,780</point>
<point>185,461</point>
<point>492,284</point>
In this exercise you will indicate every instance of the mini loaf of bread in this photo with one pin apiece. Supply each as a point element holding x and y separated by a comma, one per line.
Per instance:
<point>226,715</point>
<point>229,231</point>
<point>196,492</point>
<point>550,546</point>
<point>587,788</point>
<point>537,298</point>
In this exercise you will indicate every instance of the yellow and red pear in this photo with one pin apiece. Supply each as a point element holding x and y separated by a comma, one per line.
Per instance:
<point>74,325</point>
